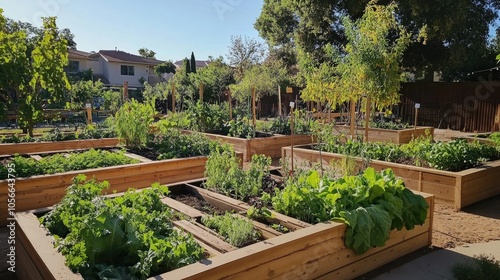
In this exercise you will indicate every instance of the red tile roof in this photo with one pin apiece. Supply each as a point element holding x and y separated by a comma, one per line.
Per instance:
<point>120,56</point>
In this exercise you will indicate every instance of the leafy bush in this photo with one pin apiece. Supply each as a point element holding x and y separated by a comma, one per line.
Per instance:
<point>127,237</point>
<point>388,125</point>
<point>237,231</point>
<point>240,128</point>
<point>133,121</point>
<point>225,176</point>
<point>208,117</point>
<point>495,137</point>
<point>179,120</point>
<point>371,204</point>
<point>482,267</point>
<point>171,143</point>
<point>26,167</point>
<point>303,124</point>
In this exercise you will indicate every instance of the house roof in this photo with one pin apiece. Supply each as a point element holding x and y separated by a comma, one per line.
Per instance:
<point>199,63</point>
<point>121,56</point>
<point>76,54</point>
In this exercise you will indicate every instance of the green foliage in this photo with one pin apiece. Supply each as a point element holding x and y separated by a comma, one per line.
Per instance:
<point>388,125</point>
<point>132,122</point>
<point>208,117</point>
<point>145,52</point>
<point>113,100</point>
<point>129,237</point>
<point>455,155</point>
<point>370,204</point>
<point>180,120</point>
<point>241,128</point>
<point>303,124</point>
<point>83,92</point>
<point>26,167</point>
<point>192,63</point>
<point>165,67</point>
<point>160,91</point>
<point>171,143</point>
<point>224,174</point>
<point>481,267</point>
<point>495,137</point>
<point>237,231</point>
<point>216,78</point>
<point>244,53</point>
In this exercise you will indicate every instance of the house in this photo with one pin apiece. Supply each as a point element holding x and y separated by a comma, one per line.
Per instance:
<point>114,67</point>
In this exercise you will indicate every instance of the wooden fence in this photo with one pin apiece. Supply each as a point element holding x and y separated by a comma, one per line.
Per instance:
<point>466,106</point>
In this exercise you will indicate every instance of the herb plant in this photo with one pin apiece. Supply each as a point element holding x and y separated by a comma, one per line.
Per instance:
<point>127,237</point>
<point>237,231</point>
<point>225,176</point>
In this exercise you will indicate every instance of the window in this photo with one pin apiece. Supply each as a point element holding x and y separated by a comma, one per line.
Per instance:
<point>127,70</point>
<point>73,66</point>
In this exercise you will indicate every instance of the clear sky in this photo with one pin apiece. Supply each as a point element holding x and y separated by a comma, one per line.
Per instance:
<point>171,28</point>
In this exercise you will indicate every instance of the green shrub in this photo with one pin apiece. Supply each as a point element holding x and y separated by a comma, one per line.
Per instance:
<point>482,267</point>
<point>133,121</point>
<point>237,231</point>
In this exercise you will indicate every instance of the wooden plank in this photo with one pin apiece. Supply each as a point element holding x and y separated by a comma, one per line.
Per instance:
<point>36,157</point>
<point>205,236</point>
<point>40,147</point>
<point>137,157</point>
<point>183,208</point>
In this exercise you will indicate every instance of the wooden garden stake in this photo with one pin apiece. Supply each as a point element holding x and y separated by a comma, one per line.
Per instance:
<point>253,107</point>
<point>279,100</point>
<point>417,106</point>
<point>353,116</point>
<point>173,97</point>
<point>230,101</point>
<point>125,91</point>
<point>88,106</point>
<point>292,105</point>
<point>367,117</point>
<point>201,92</point>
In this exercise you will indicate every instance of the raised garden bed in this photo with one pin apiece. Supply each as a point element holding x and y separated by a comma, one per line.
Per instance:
<point>456,189</point>
<point>313,252</point>
<point>401,136</point>
<point>39,147</point>
<point>269,146</point>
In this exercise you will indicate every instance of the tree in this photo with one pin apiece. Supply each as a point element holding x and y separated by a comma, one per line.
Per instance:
<point>187,66</point>
<point>453,44</point>
<point>159,92</point>
<point>165,67</point>
<point>82,92</point>
<point>216,78</point>
<point>145,52</point>
<point>370,63</point>
<point>244,53</point>
<point>193,63</point>
<point>32,67</point>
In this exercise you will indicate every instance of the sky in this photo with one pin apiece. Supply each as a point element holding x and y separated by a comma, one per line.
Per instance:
<point>171,28</point>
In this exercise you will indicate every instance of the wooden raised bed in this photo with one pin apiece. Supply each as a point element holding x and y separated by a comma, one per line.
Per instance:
<point>314,252</point>
<point>269,146</point>
<point>401,136</point>
<point>38,147</point>
<point>476,139</point>
<point>46,190</point>
<point>457,189</point>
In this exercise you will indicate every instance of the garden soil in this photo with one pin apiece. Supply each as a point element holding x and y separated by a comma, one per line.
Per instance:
<point>477,223</point>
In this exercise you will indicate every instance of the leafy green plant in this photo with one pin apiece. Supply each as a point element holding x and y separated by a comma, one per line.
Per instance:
<point>171,143</point>
<point>370,204</point>
<point>481,267</point>
<point>127,237</point>
<point>237,231</point>
<point>226,176</point>
<point>495,137</point>
<point>133,121</point>
<point>240,128</point>
<point>388,125</point>
<point>208,117</point>
<point>26,167</point>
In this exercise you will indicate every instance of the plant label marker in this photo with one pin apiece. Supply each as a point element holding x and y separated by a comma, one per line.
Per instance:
<point>292,105</point>
<point>417,106</point>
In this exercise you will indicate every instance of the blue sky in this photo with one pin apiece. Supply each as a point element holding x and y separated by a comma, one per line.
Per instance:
<point>171,28</point>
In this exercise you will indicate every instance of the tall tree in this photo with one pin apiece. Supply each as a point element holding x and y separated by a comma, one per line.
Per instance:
<point>216,78</point>
<point>244,53</point>
<point>32,69</point>
<point>187,66</point>
<point>453,44</point>
<point>145,52</point>
<point>193,63</point>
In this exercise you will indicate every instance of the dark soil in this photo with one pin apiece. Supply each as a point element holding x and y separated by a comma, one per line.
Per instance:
<point>146,152</point>
<point>198,204</point>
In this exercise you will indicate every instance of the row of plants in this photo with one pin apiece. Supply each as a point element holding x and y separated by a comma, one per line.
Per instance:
<point>90,131</point>
<point>371,204</point>
<point>455,155</point>
<point>127,237</point>
<point>27,166</point>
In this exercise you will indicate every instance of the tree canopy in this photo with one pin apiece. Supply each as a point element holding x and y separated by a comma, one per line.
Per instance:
<point>244,53</point>
<point>145,52</point>
<point>32,69</point>
<point>455,41</point>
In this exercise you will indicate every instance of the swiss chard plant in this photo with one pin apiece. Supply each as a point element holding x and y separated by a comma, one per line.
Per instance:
<point>127,237</point>
<point>371,204</point>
